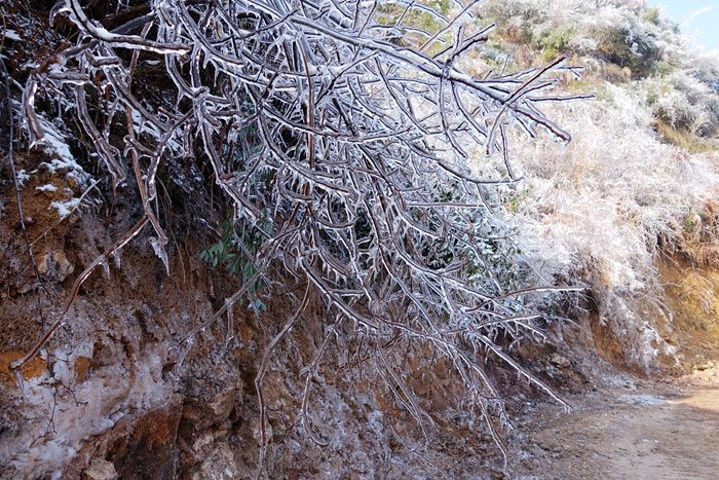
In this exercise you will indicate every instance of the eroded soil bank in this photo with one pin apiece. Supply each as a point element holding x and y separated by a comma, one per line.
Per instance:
<point>121,393</point>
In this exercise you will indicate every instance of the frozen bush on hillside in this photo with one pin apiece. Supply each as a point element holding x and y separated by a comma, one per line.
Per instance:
<point>601,215</point>
<point>344,153</point>
<point>684,101</point>
<point>622,33</point>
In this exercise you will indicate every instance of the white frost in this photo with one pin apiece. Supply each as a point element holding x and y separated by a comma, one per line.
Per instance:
<point>22,177</point>
<point>65,208</point>
<point>54,143</point>
<point>10,35</point>
<point>47,188</point>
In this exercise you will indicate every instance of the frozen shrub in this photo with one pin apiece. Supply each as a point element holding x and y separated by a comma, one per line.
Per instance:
<point>344,156</point>
<point>683,101</point>
<point>603,215</point>
<point>632,47</point>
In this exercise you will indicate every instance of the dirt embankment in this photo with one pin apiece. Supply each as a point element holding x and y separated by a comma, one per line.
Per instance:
<point>114,391</point>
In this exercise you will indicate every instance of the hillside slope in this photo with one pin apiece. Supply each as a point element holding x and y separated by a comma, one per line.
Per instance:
<point>629,208</point>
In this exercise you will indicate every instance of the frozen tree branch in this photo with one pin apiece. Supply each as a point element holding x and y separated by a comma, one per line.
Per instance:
<point>348,152</point>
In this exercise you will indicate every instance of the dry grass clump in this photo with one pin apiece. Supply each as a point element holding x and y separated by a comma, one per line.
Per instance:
<point>603,208</point>
<point>642,165</point>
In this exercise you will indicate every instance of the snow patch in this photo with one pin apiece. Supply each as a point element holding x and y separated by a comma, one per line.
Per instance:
<point>65,208</point>
<point>52,454</point>
<point>10,35</point>
<point>47,188</point>
<point>54,143</point>
<point>22,177</point>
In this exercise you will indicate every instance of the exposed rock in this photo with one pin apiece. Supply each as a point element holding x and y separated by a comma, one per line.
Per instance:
<point>33,369</point>
<point>99,469</point>
<point>221,464</point>
<point>560,361</point>
<point>199,415</point>
<point>150,451</point>
<point>54,266</point>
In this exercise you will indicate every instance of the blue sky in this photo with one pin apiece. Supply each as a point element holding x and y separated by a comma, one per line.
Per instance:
<point>696,17</point>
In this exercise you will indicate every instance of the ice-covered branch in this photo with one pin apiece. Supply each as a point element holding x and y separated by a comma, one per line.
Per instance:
<point>345,148</point>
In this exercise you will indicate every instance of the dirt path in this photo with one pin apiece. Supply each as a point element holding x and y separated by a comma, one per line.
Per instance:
<point>630,431</point>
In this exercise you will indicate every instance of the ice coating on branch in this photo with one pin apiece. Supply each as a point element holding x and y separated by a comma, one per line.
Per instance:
<point>343,152</point>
